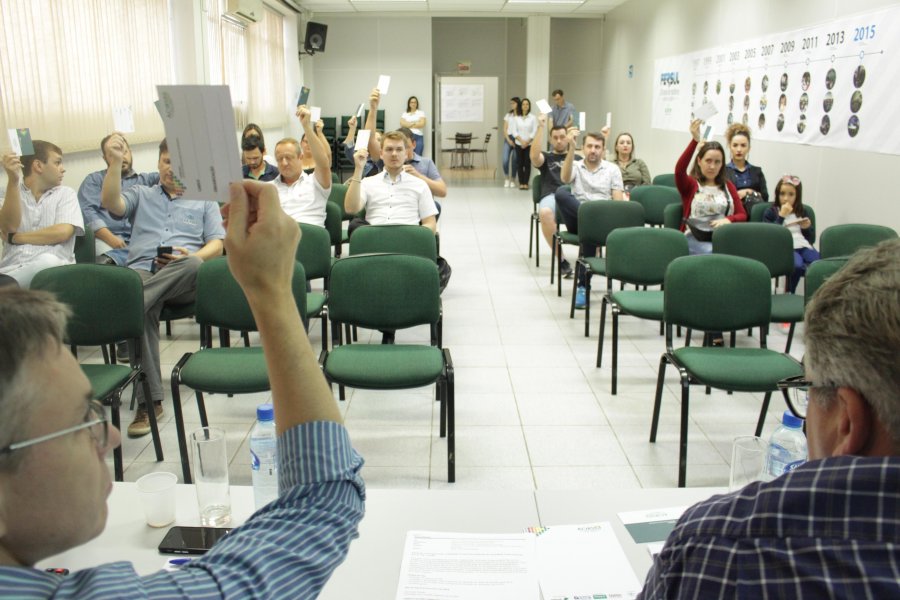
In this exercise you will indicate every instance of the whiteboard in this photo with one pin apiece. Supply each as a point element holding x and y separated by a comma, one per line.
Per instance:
<point>462,103</point>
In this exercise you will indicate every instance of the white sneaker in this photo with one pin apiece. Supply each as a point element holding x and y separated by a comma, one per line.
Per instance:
<point>506,183</point>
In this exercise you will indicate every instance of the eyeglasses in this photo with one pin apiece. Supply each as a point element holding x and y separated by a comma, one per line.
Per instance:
<point>792,179</point>
<point>95,422</point>
<point>796,394</point>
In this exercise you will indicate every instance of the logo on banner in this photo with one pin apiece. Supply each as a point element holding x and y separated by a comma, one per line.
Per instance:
<point>669,79</point>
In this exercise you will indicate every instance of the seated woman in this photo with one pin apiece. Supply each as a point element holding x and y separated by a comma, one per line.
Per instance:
<point>746,178</point>
<point>705,192</point>
<point>788,211</point>
<point>634,170</point>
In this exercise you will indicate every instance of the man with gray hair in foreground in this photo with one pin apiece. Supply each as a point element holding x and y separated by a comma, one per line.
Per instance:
<point>54,480</point>
<point>831,527</point>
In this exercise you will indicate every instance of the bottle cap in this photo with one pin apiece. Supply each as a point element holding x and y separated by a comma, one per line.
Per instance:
<point>789,420</point>
<point>265,412</point>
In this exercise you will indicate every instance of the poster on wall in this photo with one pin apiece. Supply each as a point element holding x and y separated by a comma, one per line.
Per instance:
<point>832,85</point>
<point>462,103</point>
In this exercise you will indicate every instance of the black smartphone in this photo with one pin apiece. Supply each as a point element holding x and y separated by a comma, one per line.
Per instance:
<point>161,250</point>
<point>303,98</point>
<point>191,540</point>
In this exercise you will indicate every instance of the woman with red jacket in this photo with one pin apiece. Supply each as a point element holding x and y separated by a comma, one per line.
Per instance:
<point>706,193</point>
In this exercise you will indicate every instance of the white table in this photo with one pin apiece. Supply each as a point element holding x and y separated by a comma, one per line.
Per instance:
<point>372,567</point>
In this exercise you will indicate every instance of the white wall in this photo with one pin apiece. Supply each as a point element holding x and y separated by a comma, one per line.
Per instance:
<point>496,47</point>
<point>843,186</point>
<point>358,50</point>
<point>576,66</point>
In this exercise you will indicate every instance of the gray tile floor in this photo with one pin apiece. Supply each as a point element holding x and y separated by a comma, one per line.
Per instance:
<point>533,412</point>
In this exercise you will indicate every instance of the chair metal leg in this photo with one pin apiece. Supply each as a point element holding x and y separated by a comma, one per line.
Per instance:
<point>787,346</point>
<point>554,249</point>
<point>169,329</point>
<point>763,412</point>
<point>559,277</point>
<point>537,242</point>
<point>441,396</point>
<point>224,338</point>
<point>657,403</point>
<point>151,416</point>
<point>451,419</point>
<point>602,331</point>
<point>587,301</point>
<point>201,408</point>
<point>118,470</point>
<point>107,353</point>
<point>246,336</point>
<point>530,234</point>
<point>615,348</point>
<point>683,440</point>
<point>578,268</point>
<point>179,419</point>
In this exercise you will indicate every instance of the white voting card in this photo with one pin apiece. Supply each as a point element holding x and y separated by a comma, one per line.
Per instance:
<point>583,561</point>
<point>582,121</point>
<point>544,107</point>
<point>468,566</point>
<point>123,119</point>
<point>706,111</point>
<point>362,139</point>
<point>384,82</point>
<point>360,110</point>
<point>608,120</point>
<point>315,113</point>
<point>199,123</point>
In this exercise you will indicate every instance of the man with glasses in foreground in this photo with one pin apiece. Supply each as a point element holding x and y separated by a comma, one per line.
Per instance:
<point>54,480</point>
<point>831,527</point>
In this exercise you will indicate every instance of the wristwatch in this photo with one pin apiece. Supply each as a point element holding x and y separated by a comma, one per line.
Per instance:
<point>9,238</point>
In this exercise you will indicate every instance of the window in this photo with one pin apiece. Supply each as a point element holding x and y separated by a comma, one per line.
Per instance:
<point>66,64</point>
<point>250,60</point>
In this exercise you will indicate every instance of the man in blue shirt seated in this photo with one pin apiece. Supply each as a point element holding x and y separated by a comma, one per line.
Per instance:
<point>111,234</point>
<point>170,238</point>
<point>253,151</point>
<point>53,440</point>
<point>831,527</point>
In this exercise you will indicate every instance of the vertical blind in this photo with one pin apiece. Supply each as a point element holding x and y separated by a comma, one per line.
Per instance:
<point>66,64</point>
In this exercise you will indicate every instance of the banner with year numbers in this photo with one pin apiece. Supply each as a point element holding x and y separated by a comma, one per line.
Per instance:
<point>835,84</point>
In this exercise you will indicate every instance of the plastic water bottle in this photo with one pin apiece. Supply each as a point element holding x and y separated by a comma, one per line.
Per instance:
<point>263,456</point>
<point>787,447</point>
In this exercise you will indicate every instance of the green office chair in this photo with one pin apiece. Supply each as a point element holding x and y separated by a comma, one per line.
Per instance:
<point>85,247</point>
<point>107,306</point>
<point>773,246</point>
<point>314,253</point>
<point>398,239</point>
<point>221,303</point>
<point>844,240</point>
<point>596,220</point>
<point>389,292</point>
<point>666,179</point>
<point>672,216</point>
<point>640,256</point>
<point>655,199</point>
<point>718,292</point>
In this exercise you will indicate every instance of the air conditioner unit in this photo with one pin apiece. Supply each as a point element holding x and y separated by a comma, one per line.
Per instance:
<point>248,11</point>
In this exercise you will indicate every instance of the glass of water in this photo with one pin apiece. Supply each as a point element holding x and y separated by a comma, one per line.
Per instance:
<point>211,476</point>
<point>748,457</point>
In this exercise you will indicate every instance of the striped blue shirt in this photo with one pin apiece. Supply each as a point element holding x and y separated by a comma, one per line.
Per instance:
<point>287,549</point>
<point>829,529</point>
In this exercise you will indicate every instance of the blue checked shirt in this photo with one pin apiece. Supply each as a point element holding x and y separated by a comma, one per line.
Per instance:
<point>288,549</point>
<point>829,529</point>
